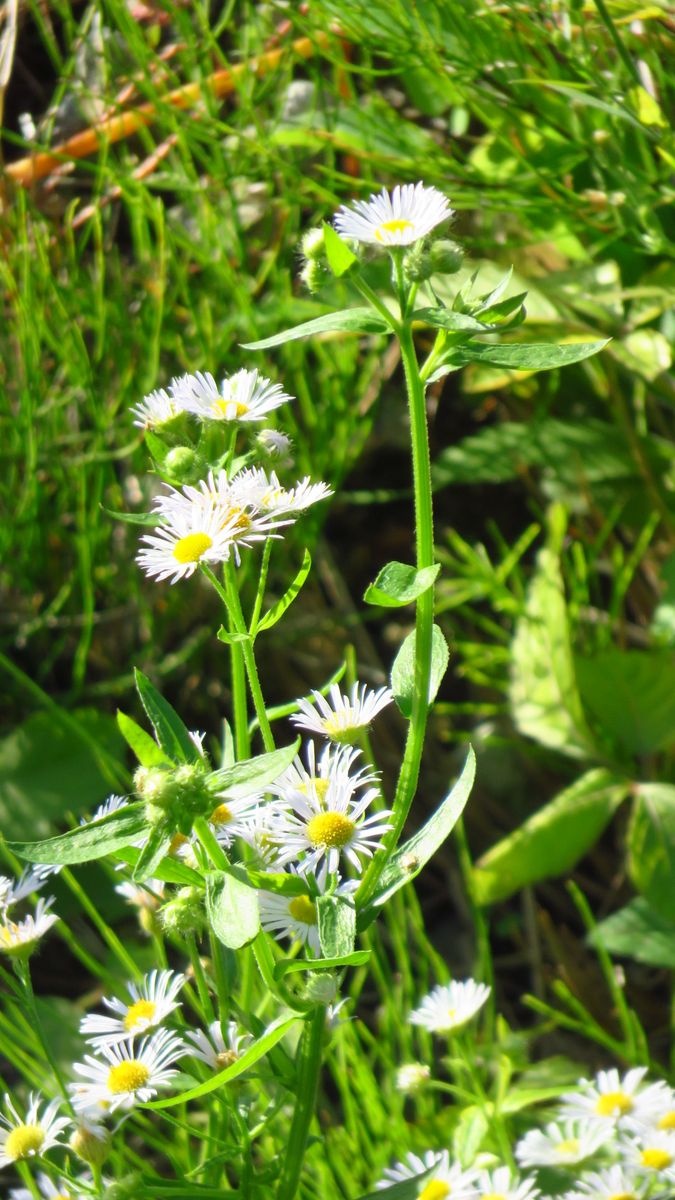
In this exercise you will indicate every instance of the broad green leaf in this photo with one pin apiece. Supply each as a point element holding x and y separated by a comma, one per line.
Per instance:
<point>272,1035</point>
<point>544,697</point>
<point>445,318</point>
<point>281,883</point>
<point>286,966</point>
<point>253,774</point>
<point>172,734</point>
<point>154,850</point>
<point>651,846</point>
<point>630,694</point>
<point>277,611</point>
<point>337,925</point>
<point>414,854</point>
<point>403,670</point>
<point>528,357</point>
<point>638,931</point>
<point>90,841</point>
<point>232,909</point>
<point>398,584</point>
<point>148,753</point>
<point>551,841</point>
<point>348,320</point>
<point>340,257</point>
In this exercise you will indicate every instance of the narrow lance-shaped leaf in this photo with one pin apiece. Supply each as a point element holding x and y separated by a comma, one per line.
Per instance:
<point>172,734</point>
<point>527,357</point>
<point>398,584</point>
<point>277,611</point>
<point>288,966</point>
<point>154,850</point>
<point>445,318</point>
<point>91,841</point>
<point>148,753</point>
<point>347,320</point>
<point>253,774</point>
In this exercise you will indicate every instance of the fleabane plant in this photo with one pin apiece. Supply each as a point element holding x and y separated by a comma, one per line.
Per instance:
<point>269,859</point>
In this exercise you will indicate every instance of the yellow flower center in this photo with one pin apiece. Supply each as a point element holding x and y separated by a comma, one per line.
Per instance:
<point>568,1146</point>
<point>656,1158</point>
<point>191,547</point>
<point>493,1196</point>
<point>436,1190</point>
<point>236,521</point>
<point>667,1122</point>
<point>139,1014</point>
<point>127,1076</point>
<point>622,1196</point>
<point>222,407</point>
<point>317,787</point>
<point>396,225</point>
<point>178,840</point>
<point>330,829</point>
<point>614,1104</point>
<point>226,1058</point>
<point>24,1141</point>
<point>221,815</point>
<point>302,909</point>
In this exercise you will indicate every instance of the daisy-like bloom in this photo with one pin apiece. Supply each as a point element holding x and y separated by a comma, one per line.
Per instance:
<point>340,717</point>
<point>14,890</point>
<point>155,409</point>
<point>19,938</point>
<point>111,805</point>
<point>613,1184</point>
<point>244,396</point>
<point>325,817</point>
<point>32,1135</point>
<point>126,1073</point>
<point>451,1006</point>
<point>661,1116</point>
<point>218,1051</point>
<point>276,444</point>
<point>253,486</point>
<point>396,218</point>
<point>615,1100</point>
<point>151,1002</point>
<point>147,895</point>
<point>193,530</point>
<point>234,818</point>
<point>446,1180</point>
<point>61,1190</point>
<point>502,1185</point>
<point>652,1155</point>
<point>560,1145</point>
<point>295,917</point>
<point>412,1076</point>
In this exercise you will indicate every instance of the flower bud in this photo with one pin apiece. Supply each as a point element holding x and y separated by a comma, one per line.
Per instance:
<point>313,275</point>
<point>411,1077</point>
<point>446,257</point>
<point>276,445</point>
<point>184,915</point>
<point>322,988</point>
<point>128,1188</point>
<point>91,1143</point>
<point>184,465</point>
<point>313,245</point>
<point>417,263</point>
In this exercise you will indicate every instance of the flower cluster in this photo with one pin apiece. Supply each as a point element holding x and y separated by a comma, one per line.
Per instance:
<point>243,397</point>
<point>18,938</point>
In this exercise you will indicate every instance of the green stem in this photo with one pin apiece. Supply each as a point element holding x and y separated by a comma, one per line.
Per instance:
<point>23,972</point>
<point>307,1083</point>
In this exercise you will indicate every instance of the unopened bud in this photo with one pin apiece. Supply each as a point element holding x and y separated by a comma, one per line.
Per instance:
<point>313,245</point>
<point>446,257</point>
<point>411,1077</point>
<point>322,988</point>
<point>129,1188</point>
<point>313,275</point>
<point>184,915</point>
<point>184,465</point>
<point>417,264</point>
<point>275,443</point>
<point>91,1143</point>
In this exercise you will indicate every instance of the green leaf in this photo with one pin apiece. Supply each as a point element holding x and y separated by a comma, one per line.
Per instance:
<point>90,841</point>
<point>253,774</point>
<point>172,735</point>
<point>272,1035</point>
<point>504,308</point>
<point>528,357</point>
<point>148,753</point>
<point>414,854</point>
<point>152,853</point>
<point>445,318</point>
<point>337,925</point>
<point>349,320</point>
<point>398,584</point>
<point>630,694</point>
<point>281,884</point>
<point>168,869</point>
<point>638,931</point>
<point>409,1189</point>
<point>651,846</point>
<point>232,909</point>
<point>469,1134</point>
<point>277,611</point>
<point>287,966</point>
<point>340,257</point>
<point>403,670</point>
<point>232,639</point>
<point>551,841</point>
<point>544,697</point>
<point>149,519</point>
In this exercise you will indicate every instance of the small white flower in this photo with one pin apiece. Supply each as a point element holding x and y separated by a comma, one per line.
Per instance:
<point>244,396</point>
<point>216,1050</point>
<point>451,1006</point>
<point>277,445</point>
<point>615,1100</point>
<point>501,1184</point>
<point>254,487</point>
<point>341,717</point>
<point>155,408</point>
<point>611,1184</point>
<point>652,1155</point>
<point>151,1002</point>
<point>295,917</point>
<point>193,530</point>
<point>661,1114</point>
<point>14,890</point>
<point>446,1179</point>
<point>32,1135</point>
<point>398,218</point>
<point>61,1190</point>
<point>234,818</point>
<point>412,1076</point>
<point>19,938</point>
<point>146,896</point>
<point>325,817</point>
<point>560,1145</point>
<point>112,804</point>
<point>126,1073</point>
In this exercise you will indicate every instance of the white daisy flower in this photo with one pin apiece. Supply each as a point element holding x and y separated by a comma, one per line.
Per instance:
<point>502,1185</point>
<point>14,890</point>
<point>253,486</point>
<point>398,218</point>
<point>112,804</point>
<point>616,1100</point>
<point>612,1184</point>
<point>662,1115</point>
<point>61,1190</point>
<point>652,1155</point>
<point>449,1007</point>
<point>277,445</point>
<point>19,938</point>
<point>446,1180</point>
<point>341,717</point>
<point>155,409</point>
<point>244,396</point>
<point>234,818</point>
<point>295,917</point>
<point>326,817</point>
<point>216,1050</point>
<point>244,520</point>
<point>32,1135</point>
<point>126,1073</point>
<point>147,895</point>
<point>151,1002</point>
<point>412,1076</point>
<point>193,530</point>
<point>560,1145</point>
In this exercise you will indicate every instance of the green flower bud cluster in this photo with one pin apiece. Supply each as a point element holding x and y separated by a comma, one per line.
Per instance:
<point>443,257</point>
<point>174,795</point>
<point>184,914</point>
<point>184,465</point>
<point>91,1145</point>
